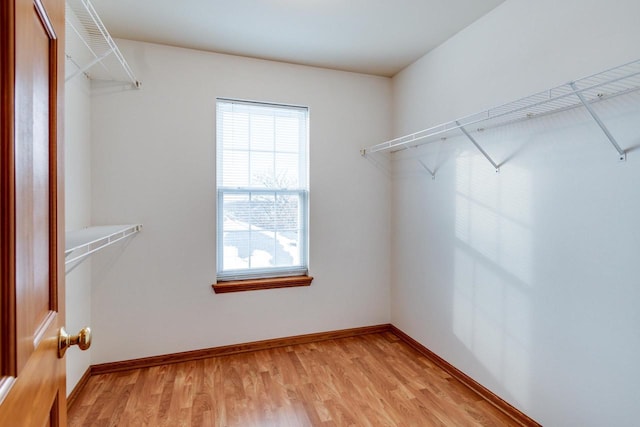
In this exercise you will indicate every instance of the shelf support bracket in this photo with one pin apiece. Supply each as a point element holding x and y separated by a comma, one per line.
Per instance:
<point>89,65</point>
<point>474,142</point>
<point>432,173</point>
<point>622,155</point>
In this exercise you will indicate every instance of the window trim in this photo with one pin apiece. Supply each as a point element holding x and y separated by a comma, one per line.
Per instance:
<point>222,287</point>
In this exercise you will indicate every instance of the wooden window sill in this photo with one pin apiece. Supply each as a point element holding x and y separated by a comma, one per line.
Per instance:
<point>260,284</point>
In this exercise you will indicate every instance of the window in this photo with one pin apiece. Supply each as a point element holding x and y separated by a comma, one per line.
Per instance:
<point>262,190</point>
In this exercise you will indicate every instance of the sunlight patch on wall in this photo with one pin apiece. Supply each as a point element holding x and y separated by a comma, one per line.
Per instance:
<point>492,277</point>
<point>493,214</point>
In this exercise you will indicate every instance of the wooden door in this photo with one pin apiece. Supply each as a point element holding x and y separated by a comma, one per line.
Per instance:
<point>32,377</point>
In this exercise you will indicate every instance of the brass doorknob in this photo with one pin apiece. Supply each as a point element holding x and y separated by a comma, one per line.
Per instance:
<point>82,340</point>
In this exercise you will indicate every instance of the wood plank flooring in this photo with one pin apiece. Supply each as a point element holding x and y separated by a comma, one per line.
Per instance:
<point>370,380</point>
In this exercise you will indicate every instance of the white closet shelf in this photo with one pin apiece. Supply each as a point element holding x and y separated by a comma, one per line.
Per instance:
<point>91,50</point>
<point>84,242</point>
<point>583,92</point>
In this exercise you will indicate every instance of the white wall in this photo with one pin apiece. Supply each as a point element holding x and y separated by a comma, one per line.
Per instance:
<point>77,215</point>
<point>153,162</point>
<point>526,280</point>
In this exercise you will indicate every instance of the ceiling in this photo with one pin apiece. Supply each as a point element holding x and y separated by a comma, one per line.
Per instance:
<point>367,36</point>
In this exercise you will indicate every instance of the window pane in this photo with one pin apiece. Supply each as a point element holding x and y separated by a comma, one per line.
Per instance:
<point>287,214</point>
<point>262,230</point>
<point>235,172</point>
<point>288,248</point>
<point>262,249</point>
<point>262,132</point>
<point>235,130</point>
<point>236,250</point>
<point>262,170</point>
<point>263,212</point>
<point>287,170</point>
<point>287,134</point>
<point>236,212</point>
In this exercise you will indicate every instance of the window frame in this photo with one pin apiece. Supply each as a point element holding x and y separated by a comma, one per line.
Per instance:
<point>271,277</point>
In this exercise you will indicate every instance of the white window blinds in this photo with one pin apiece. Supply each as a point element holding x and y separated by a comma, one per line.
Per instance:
<point>262,190</point>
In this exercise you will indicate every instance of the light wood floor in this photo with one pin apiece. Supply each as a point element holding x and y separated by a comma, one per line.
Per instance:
<point>371,380</point>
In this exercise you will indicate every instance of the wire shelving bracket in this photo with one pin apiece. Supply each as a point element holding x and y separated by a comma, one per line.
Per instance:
<point>596,118</point>
<point>92,50</point>
<point>484,153</point>
<point>579,93</point>
<point>428,169</point>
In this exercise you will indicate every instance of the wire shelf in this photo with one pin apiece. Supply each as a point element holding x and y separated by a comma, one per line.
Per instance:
<point>91,49</point>
<point>82,243</point>
<point>607,84</point>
